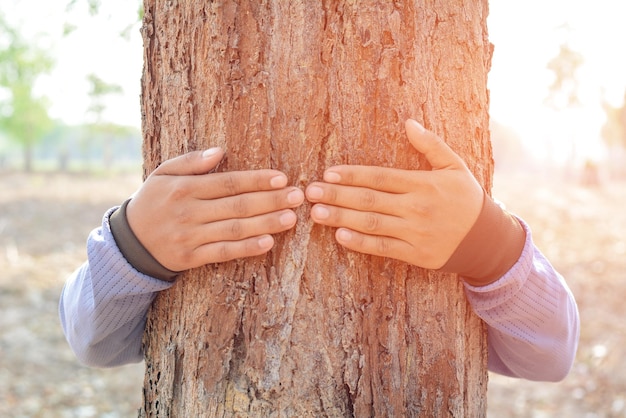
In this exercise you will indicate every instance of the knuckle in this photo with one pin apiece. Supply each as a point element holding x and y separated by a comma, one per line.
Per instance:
<point>419,208</point>
<point>231,184</point>
<point>182,251</point>
<point>240,206</point>
<point>330,195</point>
<point>224,252</point>
<point>236,230</point>
<point>368,199</point>
<point>382,245</point>
<point>176,238</point>
<point>180,258</point>
<point>279,199</point>
<point>372,222</point>
<point>260,181</point>
<point>180,190</point>
<point>380,180</point>
<point>183,216</point>
<point>185,258</point>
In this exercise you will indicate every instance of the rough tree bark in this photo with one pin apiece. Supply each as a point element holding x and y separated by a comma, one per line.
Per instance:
<point>311,329</point>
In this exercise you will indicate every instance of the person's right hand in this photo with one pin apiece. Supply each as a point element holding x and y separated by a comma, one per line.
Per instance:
<point>187,217</point>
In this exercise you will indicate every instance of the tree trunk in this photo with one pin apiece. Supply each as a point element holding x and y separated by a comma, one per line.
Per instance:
<point>311,329</point>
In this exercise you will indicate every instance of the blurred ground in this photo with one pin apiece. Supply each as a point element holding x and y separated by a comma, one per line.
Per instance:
<point>44,223</point>
<point>582,231</point>
<point>45,219</point>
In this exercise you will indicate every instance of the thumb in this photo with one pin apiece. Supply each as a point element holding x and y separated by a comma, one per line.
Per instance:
<point>192,163</point>
<point>438,153</point>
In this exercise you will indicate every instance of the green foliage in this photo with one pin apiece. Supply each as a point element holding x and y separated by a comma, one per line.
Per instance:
<point>94,6</point>
<point>94,9</point>
<point>98,90</point>
<point>68,28</point>
<point>127,31</point>
<point>23,116</point>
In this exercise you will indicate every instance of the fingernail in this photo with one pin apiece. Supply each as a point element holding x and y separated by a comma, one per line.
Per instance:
<point>210,152</point>
<point>288,218</point>
<point>265,242</point>
<point>278,181</point>
<point>320,212</point>
<point>332,177</point>
<point>417,125</point>
<point>315,192</point>
<point>295,197</point>
<point>344,235</point>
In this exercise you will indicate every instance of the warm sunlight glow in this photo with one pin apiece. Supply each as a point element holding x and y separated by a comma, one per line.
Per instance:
<point>527,35</point>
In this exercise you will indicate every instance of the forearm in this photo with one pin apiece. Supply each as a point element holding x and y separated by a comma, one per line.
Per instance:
<point>532,318</point>
<point>104,303</point>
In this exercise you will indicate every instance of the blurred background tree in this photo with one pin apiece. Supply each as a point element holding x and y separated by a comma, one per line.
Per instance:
<point>98,92</point>
<point>614,134</point>
<point>614,129</point>
<point>23,114</point>
<point>563,92</point>
<point>33,132</point>
<point>564,97</point>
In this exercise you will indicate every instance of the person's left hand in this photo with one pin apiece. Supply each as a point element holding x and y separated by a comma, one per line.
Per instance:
<point>415,216</point>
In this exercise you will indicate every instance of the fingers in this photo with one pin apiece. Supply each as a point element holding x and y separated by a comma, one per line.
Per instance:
<point>220,251</point>
<point>233,183</point>
<point>229,239</point>
<point>175,189</point>
<point>360,198</point>
<point>366,232</point>
<point>438,154</point>
<point>190,168</point>
<point>244,205</point>
<point>210,231</point>
<point>389,180</point>
<point>390,247</point>
<point>217,217</point>
<point>371,223</point>
<point>418,216</point>
<point>233,230</point>
<point>395,237</point>
<point>373,245</point>
<point>187,216</point>
<point>225,251</point>
<point>192,163</point>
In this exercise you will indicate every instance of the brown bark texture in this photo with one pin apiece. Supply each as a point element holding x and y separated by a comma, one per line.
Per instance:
<point>311,329</point>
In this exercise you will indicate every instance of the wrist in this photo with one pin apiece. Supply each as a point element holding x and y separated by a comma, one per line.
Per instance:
<point>491,247</point>
<point>133,251</point>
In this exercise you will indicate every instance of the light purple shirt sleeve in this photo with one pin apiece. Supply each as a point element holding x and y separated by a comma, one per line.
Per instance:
<point>104,304</point>
<point>531,314</point>
<point>532,318</point>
